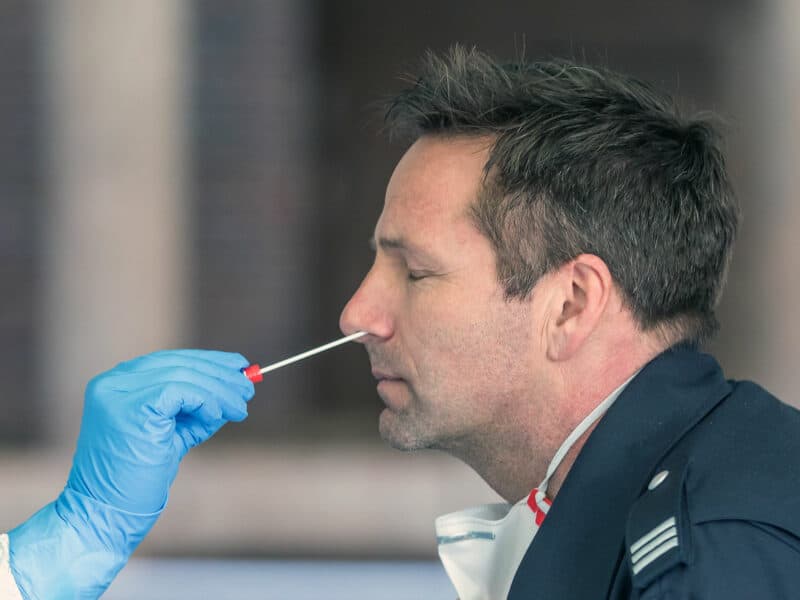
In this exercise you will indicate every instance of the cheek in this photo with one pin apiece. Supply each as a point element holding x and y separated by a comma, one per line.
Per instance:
<point>465,348</point>
<point>440,325</point>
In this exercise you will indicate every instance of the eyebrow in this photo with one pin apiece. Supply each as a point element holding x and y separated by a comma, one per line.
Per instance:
<point>397,243</point>
<point>384,242</point>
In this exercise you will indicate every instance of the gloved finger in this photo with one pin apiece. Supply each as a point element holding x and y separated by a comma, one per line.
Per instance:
<point>232,360</point>
<point>190,432</point>
<point>208,402</point>
<point>205,409</point>
<point>134,381</point>
<point>197,360</point>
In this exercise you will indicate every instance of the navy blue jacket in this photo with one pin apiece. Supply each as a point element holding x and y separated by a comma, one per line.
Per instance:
<point>689,487</point>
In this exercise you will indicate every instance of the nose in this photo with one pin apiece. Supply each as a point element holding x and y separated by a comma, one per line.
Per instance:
<point>368,310</point>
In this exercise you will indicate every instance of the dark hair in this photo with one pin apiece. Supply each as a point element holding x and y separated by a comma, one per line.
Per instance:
<point>585,160</point>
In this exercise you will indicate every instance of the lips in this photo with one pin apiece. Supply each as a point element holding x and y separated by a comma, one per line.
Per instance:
<point>390,388</point>
<point>384,375</point>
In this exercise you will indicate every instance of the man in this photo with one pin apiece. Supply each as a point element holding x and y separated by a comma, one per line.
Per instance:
<point>551,250</point>
<point>139,420</point>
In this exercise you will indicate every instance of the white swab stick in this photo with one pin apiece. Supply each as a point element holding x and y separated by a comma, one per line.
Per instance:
<point>253,372</point>
<point>312,352</point>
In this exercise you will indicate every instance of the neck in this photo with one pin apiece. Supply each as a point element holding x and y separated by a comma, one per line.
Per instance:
<point>509,463</point>
<point>513,457</point>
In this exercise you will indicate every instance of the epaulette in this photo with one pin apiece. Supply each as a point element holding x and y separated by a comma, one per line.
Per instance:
<point>658,531</point>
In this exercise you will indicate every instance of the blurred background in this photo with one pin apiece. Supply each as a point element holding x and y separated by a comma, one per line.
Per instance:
<point>208,173</point>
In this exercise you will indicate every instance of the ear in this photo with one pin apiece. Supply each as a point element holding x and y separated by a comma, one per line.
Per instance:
<point>582,290</point>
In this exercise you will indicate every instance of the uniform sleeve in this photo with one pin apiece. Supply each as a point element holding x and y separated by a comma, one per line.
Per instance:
<point>8,587</point>
<point>733,560</point>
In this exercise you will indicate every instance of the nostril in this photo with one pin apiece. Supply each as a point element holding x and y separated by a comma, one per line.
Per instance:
<point>359,326</point>
<point>367,311</point>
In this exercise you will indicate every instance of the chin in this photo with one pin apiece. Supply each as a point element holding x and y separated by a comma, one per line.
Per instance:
<point>397,433</point>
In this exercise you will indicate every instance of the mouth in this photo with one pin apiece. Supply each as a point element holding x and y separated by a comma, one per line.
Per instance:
<point>385,376</point>
<point>392,390</point>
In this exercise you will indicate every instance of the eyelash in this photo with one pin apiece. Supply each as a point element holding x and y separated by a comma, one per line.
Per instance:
<point>414,277</point>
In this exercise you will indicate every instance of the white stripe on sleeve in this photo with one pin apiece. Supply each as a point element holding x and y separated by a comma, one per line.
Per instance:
<point>8,587</point>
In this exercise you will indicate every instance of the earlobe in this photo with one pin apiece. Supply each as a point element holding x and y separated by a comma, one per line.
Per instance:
<point>582,288</point>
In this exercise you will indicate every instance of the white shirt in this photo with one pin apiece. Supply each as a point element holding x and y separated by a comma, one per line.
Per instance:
<point>8,587</point>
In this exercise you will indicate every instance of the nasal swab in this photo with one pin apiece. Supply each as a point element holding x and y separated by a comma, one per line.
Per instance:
<point>255,373</point>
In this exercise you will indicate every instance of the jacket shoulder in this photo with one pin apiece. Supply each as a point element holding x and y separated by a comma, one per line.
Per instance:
<point>744,461</point>
<point>741,462</point>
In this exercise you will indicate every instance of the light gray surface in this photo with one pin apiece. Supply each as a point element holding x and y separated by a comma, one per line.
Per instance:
<point>177,579</point>
<point>281,500</point>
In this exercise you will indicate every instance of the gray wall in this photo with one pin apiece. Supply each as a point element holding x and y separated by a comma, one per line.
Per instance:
<point>278,169</point>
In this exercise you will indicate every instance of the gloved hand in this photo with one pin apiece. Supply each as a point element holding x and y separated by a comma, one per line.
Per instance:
<point>139,420</point>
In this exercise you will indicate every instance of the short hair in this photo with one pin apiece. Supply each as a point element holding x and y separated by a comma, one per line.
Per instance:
<point>585,160</point>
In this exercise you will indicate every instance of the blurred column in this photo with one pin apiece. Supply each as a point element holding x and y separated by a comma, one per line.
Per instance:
<point>763,57</point>
<point>780,293</point>
<point>255,122</point>
<point>19,200</point>
<point>114,278</point>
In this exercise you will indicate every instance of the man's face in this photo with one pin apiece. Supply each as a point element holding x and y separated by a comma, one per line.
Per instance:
<point>454,360</point>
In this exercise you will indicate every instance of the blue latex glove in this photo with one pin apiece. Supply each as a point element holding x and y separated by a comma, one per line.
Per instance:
<point>139,421</point>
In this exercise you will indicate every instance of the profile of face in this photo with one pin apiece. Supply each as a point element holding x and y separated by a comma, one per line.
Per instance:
<point>452,356</point>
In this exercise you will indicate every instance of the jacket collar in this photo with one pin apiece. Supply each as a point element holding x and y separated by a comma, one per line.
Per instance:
<point>581,543</point>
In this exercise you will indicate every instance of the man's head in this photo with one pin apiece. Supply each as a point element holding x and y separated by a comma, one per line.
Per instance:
<point>587,161</point>
<point>442,331</point>
<point>539,195</point>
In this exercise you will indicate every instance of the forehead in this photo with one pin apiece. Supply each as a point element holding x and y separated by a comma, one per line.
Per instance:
<point>433,185</point>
